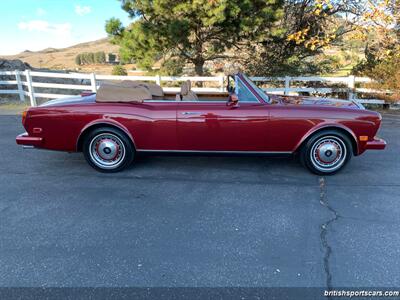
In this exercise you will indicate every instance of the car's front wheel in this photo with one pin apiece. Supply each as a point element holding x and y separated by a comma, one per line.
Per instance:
<point>108,150</point>
<point>326,152</point>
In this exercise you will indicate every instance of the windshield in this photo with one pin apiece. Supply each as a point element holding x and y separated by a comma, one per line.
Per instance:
<point>243,92</point>
<point>258,90</point>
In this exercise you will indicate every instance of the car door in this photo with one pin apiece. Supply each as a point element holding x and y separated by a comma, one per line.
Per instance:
<point>217,127</point>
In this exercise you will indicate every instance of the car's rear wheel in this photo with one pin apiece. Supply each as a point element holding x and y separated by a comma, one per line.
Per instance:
<point>326,152</point>
<point>108,149</point>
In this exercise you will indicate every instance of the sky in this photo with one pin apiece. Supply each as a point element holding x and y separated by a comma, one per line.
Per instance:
<point>38,24</point>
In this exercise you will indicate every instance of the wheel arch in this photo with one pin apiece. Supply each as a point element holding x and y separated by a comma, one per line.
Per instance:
<point>98,124</point>
<point>342,129</point>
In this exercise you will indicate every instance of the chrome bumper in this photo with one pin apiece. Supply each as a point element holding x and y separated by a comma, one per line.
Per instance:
<point>376,144</point>
<point>29,141</point>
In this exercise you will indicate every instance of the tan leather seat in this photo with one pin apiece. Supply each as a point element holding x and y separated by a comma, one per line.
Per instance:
<point>186,93</point>
<point>111,92</point>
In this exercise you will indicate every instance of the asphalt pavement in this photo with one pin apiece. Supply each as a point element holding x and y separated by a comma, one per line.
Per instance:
<point>198,221</point>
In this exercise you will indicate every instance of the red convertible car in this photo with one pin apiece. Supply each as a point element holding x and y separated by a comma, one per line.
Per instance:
<point>127,118</point>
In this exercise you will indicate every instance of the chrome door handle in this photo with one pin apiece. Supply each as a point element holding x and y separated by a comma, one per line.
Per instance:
<point>192,113</point>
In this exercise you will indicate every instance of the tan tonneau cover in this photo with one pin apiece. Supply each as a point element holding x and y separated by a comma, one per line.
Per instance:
<point>127,91</point>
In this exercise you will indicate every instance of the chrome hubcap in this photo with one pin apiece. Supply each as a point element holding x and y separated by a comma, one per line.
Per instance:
<point>328,153</point>
<point>107,151</point>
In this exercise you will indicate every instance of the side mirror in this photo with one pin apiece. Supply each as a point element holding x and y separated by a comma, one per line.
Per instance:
<point>233,101</point>
<point>229,87</point>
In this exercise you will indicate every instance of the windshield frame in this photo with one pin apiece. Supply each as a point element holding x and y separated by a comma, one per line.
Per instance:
<point>254,89</point>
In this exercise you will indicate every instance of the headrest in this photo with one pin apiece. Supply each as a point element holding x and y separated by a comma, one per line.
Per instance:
<point>185,87</point>
<point>110,92</point>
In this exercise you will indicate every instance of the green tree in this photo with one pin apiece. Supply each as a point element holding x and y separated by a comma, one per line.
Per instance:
<point>119,70</point>
<point>382,50</point>
<point>191,31</point>
<point>85,58</point>
<point>100,57</point>
<point>90,56</point>
<point>172,67</point>
<point>78,59</point>
<point>96,58</point>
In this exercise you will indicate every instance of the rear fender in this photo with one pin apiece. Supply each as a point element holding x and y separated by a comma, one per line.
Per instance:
<point>103,122</point>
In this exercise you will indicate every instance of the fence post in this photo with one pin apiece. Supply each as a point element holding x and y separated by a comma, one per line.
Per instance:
<point>287,85</point>
<point>351,85</point>
<point>19,84</point>
<point>30,87</point>
<point>158,79</point>
<point>221,84</point>
<point>93,82</point>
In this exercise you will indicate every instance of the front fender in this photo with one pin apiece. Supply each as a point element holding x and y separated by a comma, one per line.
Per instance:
<point>324,126</point>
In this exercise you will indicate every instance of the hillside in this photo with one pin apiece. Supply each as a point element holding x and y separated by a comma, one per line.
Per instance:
<point>339,59</point>
<point>64,58</point>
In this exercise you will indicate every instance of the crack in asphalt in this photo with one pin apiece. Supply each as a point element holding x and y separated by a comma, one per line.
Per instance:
<point>324,231</point>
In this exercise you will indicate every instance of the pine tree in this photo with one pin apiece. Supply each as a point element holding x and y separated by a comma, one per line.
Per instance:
<point>192,31</point>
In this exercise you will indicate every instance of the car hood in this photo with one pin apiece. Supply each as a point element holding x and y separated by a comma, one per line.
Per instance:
<point>315,101</point>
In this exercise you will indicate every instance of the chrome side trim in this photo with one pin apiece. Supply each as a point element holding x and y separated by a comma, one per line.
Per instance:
<point>193,113</point>
<point>184,101</point>
<point>213,151</point>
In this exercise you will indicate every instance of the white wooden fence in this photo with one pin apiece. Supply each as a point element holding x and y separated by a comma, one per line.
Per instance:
<point>90,82</point>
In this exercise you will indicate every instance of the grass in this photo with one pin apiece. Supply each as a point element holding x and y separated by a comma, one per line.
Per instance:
<point>11,108</point>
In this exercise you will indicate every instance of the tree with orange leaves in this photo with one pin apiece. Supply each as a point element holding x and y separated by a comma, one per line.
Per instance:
<point>305,30</point>
<point>380,28</point>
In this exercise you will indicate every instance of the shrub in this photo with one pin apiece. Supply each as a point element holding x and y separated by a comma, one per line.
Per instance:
<point>100,57</point>
<point>90,58</point>
<point>85,58</point>
<point>385,71</point>
<point>78,59</point>
<point>119,70</point>
<point>387,76</point>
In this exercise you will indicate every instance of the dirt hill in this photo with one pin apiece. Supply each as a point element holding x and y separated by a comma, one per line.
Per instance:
<point>64,58</point>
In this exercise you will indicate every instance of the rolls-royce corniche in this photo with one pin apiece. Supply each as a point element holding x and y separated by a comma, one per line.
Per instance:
<point>120,121</point>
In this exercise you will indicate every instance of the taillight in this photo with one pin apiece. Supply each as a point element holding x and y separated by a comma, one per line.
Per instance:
<point>24,113</point>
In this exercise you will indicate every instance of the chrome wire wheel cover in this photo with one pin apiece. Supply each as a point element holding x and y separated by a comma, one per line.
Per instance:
<point>107,151</point>
<point>328,153</point>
